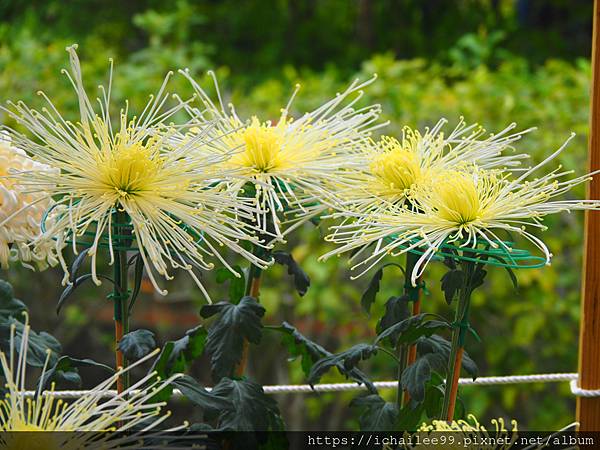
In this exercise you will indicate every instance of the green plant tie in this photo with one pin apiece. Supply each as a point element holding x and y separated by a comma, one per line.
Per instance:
<point>465,327</point>
<point>413,291</point>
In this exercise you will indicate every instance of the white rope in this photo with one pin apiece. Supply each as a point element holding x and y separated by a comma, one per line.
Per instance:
<point>577,391</point>
<point>337,387</point>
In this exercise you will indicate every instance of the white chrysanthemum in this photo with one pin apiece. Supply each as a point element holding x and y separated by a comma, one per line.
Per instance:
<point>291,163</point>
<point>73,422</point>
<point>21,212</point>
<point>390,169</point>
<point>463,208</point>
<point>178,216</point>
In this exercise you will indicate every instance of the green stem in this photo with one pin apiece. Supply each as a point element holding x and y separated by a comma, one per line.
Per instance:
<point>461,322</point>
<point>402,356</point>
<point>120,291</point>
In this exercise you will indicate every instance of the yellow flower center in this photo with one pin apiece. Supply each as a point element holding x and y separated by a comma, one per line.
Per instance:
<point>456,198</point>
<point>398,167</point>
<point>262,147</point>
<point>130,168</point>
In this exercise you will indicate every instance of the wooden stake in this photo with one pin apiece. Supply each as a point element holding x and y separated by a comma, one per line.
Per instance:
<point>588,409</point>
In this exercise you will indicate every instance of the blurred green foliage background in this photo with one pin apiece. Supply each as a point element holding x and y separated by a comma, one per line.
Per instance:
<point>491,61</point>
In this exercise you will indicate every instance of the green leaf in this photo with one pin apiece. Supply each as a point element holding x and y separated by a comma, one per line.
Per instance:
<point>77,264</point>
<point>396,310</point>
<point>37,344</point>
<point>187,349</point>
<point>416,376</point>
<point>10,306</point>
<point>408,330</point>
<point>300,346</point>
<point>344,361</point>
<point>377,415</point>
<point>66,293</point>
<point>301,279</point>
<point>368,297</point>
<point>439,345</point>
<point>208,401</point>
<point>137,344</point>
<point>252,409</point>
<point>137,280</point>
<point>478,278</point>
<point>452,282</point>
<point>66,372</point>
<point>237,284</point>
<point>161,367</point>
<point>226,335</point>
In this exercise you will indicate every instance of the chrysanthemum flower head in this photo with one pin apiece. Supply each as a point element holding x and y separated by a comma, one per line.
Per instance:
<point>136,167</point>
<point>96,410</point>
<point>392,169</point>
<point>21,212</point>
<point>291,163</point>
<point>465,208</point>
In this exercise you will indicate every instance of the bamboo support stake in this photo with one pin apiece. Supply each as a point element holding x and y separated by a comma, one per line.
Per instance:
<point>588,408</point>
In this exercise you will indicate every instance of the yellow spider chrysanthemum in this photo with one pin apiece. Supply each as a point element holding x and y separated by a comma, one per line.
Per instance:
<point>21,212</point>
<point>83,422</point>
<point>463,208</point>
<point>135,166</point>
<point>392,169</point>
<point>292,163</point>
<point>469,434</point>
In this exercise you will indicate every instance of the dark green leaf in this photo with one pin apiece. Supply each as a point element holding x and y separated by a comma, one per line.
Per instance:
<point>300,346</point>
<point>161,367</point>
<point>77,264</point>
<point>377,415</point>
<point>208,401</point>
<point>452,282</point>
<point>478,278</point>
<point>10,306</point>
<point>252,409</point>
<point>439,345</point>
<point>137,279</point>
<point>396,310</point>
<point>237,284</point>
<point>66,372</point>
<point>137,344</point>
<point>227,333</point>
<point>301,279</point>
<point>416,376</point>
<point>408,330</point>
<point>187,349</point>
<point>344,361</point>
<point>368,297</point>
<point>37,344</point>
<point>66,293</point>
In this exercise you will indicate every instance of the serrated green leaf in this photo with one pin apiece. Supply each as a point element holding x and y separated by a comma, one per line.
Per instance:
<point>68,291</point>
<point>10,306</point>
<point>66,372</point>
<point>408,330</point>
<point>301,279</point>
<point>344,361</point>
<point>208,401</point>
<point>452,282</point>
<point>137,344</point>
<point>237,284</point>
<point>377,415</point>
<point>253,409</point>
<point>299,345</point>
<point>37,344</point>
<point>370,294</point>
<point>187,349</point>
<point>226,335</point>
<point>396,310</point>
<point>439,345</point>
